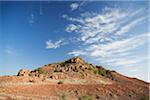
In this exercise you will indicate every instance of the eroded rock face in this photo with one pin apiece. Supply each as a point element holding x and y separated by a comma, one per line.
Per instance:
<point>31,76</point>
<point>76,60</point>
<point>23,72</point>
<point>75,67</point>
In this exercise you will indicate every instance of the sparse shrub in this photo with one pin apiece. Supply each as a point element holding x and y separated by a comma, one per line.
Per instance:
<point>85,98</point>
<point>101,71</point>
<point>48,65</point>
<point>40,71</point>
<point>145,98</point>
<point>82,74</point>
<point>90,68</point>
<point>62,64</point>
<point>63,97</point>
<point>109,75</point>
<point>60,82</point>
<point>89,65</point>
<point>57,70</point>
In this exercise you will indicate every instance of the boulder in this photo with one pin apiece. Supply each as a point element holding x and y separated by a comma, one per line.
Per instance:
<point>76,60</point>
<point>23,72</point>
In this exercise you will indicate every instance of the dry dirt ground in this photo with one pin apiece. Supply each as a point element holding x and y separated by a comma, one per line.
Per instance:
<point>77,89</point>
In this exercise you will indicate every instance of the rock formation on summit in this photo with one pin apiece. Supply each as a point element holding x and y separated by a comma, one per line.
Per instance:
<point>76,60</point>
<point>23,72</point>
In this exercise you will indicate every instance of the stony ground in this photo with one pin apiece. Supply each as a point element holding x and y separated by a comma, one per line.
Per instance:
<point>76,89</point>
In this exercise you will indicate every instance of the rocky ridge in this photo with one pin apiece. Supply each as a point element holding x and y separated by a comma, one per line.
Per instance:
<point>75,67</point>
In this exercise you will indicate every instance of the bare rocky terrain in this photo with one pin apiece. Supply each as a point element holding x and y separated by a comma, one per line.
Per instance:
<point>73,79</point>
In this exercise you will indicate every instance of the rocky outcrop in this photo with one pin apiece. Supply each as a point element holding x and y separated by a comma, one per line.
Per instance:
<point>31,76</point>
<point>23,72</point>
<point>76,60</point>
<point>75,67</point>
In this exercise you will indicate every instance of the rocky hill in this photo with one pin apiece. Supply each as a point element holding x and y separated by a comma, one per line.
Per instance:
<point>73,79</point>
<point>73,68</point>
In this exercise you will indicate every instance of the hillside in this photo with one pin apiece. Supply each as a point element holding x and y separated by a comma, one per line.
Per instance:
<point>73,79</point>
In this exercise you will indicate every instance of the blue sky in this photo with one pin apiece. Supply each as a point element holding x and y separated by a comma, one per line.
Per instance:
<point>109,33</point>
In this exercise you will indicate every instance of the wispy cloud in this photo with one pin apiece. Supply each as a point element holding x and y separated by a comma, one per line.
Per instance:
<point>119,46</point>
<point>74,6</point>
<point>77,5</point>
<point>102,36</point>
<point>54,44</point>
<point>117,53</point>
<point>97,25</point>
<point>31,19</point>
<point>71,27</point>
<point>9,50</point>
<point>77,53</point>
<point>127,27</point>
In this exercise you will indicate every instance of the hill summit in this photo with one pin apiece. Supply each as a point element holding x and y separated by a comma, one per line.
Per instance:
<point>74,67</point>
<point>76,59</point>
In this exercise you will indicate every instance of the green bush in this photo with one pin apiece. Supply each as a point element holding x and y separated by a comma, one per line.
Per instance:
<point>60,82</point>
<point>46,65</point>
<point>91,67</point>
<point>62,64</point>
<point>40,70</point>
<point>63,97</point>
<point>82,74</point>
<point>145,98</point>
<point>57,70</point>
<point>85,98</point>
<point>102,72</point>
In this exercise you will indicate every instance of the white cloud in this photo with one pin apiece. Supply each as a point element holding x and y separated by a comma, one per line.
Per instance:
<point>116,53</point>
<point>126,28</point>
<point>126,61</point>
<point>31,19</point>
<point>120,46</point>
<point>79,20</point>
<point>77,53</point>
<point>103,27</point>
<point>71,28</point>
<point>53,45</point>
<point>102,36</point>
<point>9,50</point>
<point>74,6</point>
<point>97,25</point>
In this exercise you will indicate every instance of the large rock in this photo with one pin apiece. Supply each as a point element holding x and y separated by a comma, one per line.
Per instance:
<point>24,72</point>
<point>76,60</point>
